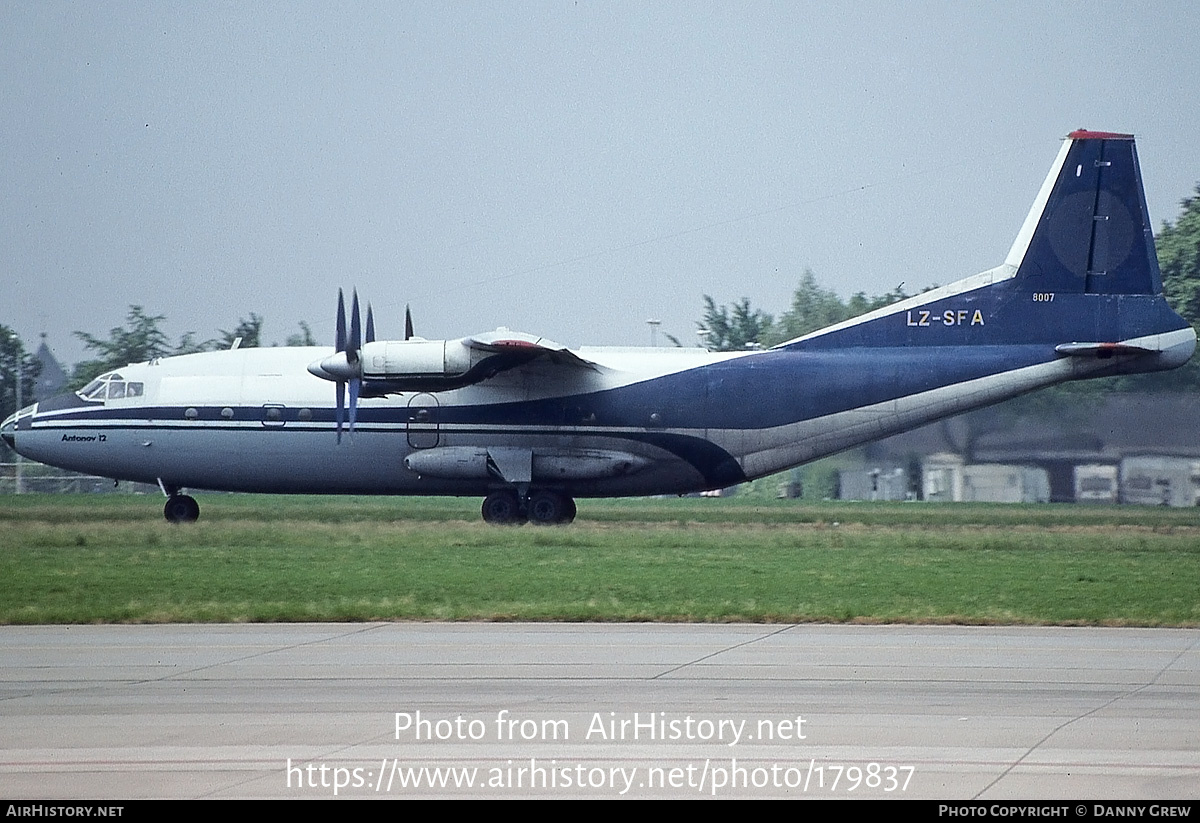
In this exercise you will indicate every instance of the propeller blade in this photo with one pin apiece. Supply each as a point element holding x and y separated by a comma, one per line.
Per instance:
<point>341,407</point>
<point>355,341</point>
<point>355,385</point>
<point>408,329</point>
<point>344,366</point>
<point>339,343</point>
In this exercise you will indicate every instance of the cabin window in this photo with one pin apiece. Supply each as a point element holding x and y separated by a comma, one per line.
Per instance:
<point>272,415</point>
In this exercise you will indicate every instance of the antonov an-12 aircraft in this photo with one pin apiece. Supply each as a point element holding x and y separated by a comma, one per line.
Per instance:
<point>530,425</point>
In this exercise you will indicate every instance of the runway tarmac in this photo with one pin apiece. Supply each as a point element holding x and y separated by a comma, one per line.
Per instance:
<point>554,710</point>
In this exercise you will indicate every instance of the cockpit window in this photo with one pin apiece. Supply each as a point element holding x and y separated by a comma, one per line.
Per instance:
<point>96,390</point>
<point>111,386</point>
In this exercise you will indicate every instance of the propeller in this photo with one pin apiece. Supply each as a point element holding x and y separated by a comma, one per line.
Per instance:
<point>344,367</point>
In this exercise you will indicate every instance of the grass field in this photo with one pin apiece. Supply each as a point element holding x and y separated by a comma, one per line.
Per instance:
<point>111,558</point>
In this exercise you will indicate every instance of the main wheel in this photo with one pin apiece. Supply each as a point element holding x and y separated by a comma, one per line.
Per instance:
<point>547,508</point>
<point>502,509</point>
<point>181,508</point>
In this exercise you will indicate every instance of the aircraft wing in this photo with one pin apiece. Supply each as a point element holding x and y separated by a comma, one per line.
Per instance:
<point>375,368</point>
<point>524,348</point>
<point>416,364</point>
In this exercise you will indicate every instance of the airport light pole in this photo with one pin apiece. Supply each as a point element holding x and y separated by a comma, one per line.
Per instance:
<point>18,477</point>
<point>653,324</point>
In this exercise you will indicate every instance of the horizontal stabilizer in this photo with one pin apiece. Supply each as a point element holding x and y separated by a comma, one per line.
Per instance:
<point>1100,349</point>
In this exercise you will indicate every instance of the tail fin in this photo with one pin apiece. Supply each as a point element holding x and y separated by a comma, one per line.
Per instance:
<point>1089,230</point>
<point>1082,275</point>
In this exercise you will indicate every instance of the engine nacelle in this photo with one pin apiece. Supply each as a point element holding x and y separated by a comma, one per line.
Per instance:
<point>399,359</point>
<point>387,366</point>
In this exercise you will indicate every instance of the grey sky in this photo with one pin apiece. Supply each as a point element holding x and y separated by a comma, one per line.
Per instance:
<point>564,168</point>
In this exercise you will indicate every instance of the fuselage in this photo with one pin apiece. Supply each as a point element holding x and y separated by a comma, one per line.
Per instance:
<point>256,420</point>
<point>647,421</point>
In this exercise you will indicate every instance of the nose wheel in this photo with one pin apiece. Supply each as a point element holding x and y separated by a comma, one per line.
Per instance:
<point>181,508</point>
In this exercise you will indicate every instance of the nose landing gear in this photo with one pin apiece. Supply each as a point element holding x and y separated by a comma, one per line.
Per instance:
<point>181,508</point>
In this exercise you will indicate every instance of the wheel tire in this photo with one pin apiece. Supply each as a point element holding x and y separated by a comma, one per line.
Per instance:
<point>502,509</point>
<point>181,508</point>
<point>547,508</point>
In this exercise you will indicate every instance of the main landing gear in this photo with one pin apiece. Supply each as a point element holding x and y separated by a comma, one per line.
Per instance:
<point>541,507</point>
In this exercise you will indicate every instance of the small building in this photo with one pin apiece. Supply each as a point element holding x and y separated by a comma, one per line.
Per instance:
<point>945,477</point>
<point>942,477</point>
<point>791,488</point>
<point>1155,480</point>
<point>1001,483</point>
<point>877,483</point>
<point>1096,483</point>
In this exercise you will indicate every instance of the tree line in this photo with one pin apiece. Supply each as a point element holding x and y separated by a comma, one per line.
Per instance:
<point>740,327</point>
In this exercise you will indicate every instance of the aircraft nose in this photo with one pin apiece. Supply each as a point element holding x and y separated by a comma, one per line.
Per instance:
<point>9,431</point>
